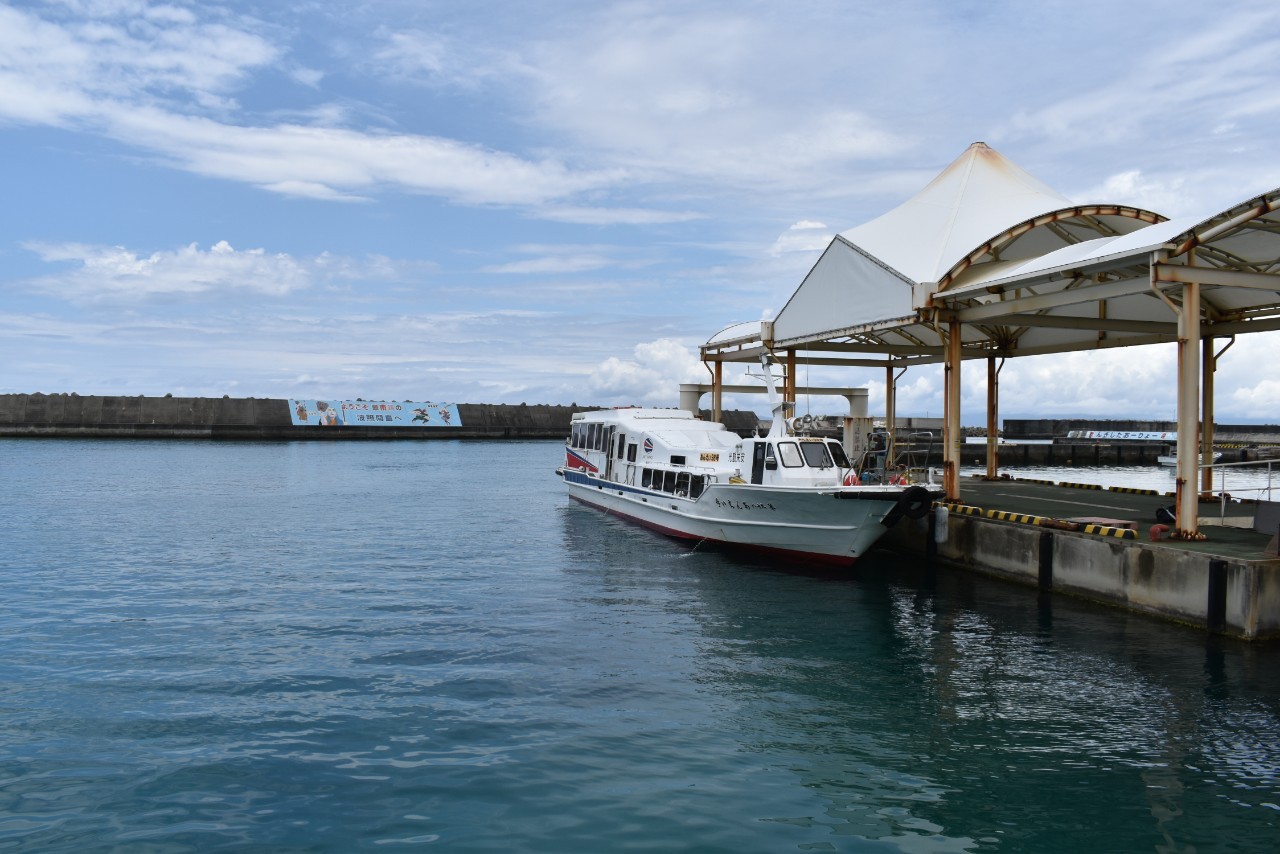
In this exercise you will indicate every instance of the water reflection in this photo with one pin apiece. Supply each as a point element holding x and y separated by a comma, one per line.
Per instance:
<point>930,710</point>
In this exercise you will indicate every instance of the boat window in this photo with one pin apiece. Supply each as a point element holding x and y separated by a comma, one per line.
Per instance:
<point>575,436</point>
<point>622,445</point>
<point>677,459</point>
<point>696,486</point>
<point>668,481</point>
<point>593,435</point>
<point>631,453</point>
<point>682,483</point>
<point>790,455</point>
<point>770,461</point>
<point>815,454</point>
<point>837,452</point>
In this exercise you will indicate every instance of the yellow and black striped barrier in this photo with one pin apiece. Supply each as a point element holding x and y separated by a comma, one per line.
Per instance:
<point>1010,516</point>
<point>962,509</point>
<point>1080,485</point>
<point>1034,480</point>
<point>1108,531</point>
<point>1131,490</point>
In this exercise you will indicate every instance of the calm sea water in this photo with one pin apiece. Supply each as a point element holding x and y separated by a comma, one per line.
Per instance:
<point>404,646</point>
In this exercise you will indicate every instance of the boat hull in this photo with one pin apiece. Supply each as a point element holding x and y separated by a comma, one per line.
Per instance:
<point>811,523</point>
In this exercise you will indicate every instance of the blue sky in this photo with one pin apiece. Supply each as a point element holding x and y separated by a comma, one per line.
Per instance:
<point>505,202</point>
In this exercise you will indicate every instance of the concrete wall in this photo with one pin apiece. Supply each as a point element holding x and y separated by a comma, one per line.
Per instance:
<point>1139,576</point>
<point>74,415</point>
<point>63,415</point>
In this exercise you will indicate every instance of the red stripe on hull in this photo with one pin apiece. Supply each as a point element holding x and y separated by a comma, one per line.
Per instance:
<point>573,461</point>
<point>813,557</point>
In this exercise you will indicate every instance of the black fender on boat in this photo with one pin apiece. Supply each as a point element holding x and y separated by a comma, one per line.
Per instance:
<point>914,503</point>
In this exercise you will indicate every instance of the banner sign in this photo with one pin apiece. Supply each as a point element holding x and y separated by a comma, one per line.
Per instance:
<point>373,413</point>
<point>1122,434</point>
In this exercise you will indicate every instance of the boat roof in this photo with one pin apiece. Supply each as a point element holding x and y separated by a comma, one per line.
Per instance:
<point>696,438</point>
<point>636,413</point>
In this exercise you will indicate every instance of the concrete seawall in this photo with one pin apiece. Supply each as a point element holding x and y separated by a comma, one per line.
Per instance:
<point>75,416</point>
<point>1223,594</point>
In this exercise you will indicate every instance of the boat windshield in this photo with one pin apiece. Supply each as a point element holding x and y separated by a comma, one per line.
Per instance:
<point>789,454</point>
<point>838,454</point>
<point>816,455</point>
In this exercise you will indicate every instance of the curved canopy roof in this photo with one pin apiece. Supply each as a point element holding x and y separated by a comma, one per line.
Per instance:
<point>1024,270</point>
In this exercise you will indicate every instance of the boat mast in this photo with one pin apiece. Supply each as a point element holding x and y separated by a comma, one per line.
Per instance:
<point>778,428</point>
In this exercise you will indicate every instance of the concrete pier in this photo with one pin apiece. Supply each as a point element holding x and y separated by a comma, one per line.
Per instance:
<point>1039,534</point>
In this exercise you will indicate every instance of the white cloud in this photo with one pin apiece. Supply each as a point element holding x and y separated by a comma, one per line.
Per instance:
<point>413,54</point>
<point>552,264</point>
<point>308,76</point>
<point>114,273</point>
<point>334,162</point>
<point>803,236</point>
<point>582,215</point>
<point>1133,188</point>
<point>120,53</point>
<point>652,377</point>
<point>1261,400</point>
<point>125,80</point>
<point>646,88</point>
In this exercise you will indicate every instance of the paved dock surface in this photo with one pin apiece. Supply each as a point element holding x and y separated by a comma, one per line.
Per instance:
<point>1138,508</point>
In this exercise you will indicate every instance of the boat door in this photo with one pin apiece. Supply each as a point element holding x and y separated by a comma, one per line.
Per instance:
<point>606,445</point>
<point>758,451</point>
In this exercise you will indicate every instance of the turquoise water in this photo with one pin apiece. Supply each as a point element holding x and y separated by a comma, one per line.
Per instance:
<point>404,646</point>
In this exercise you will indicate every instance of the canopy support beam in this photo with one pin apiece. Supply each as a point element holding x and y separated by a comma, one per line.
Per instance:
<point>952,434</point>
<point>1187,524</point>
<point>1208,366</point>
<point>993,417</point>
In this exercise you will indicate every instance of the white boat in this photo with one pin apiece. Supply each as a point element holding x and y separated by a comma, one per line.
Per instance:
<point>782,493</point>
<point>1172,459</point>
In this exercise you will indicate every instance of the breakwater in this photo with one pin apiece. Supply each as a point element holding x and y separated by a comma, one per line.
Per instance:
<point>1057,428</point>
<point>141,417</point>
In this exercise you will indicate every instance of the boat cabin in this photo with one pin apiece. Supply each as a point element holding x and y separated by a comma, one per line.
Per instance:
<point>671,451</point>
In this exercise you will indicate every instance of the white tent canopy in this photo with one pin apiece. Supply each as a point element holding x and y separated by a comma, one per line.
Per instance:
<point>988,262</point>
<point>978,195</point>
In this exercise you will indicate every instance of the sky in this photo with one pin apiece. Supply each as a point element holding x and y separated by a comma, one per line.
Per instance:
<point>558,202</point>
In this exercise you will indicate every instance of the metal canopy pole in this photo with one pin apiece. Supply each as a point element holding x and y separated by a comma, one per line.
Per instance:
<point>1208,367</point>
<point>1188,498</point>
<point>717,393</point>
<point>993,417</point>
<point>951,433</point>
<point>890,415</point>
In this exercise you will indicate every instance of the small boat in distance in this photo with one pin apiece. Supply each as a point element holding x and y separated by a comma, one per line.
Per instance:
<point>783,493</point>
<point>1171,458</point>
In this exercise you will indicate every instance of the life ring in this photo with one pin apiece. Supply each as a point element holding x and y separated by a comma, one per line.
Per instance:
<point>851,479</point>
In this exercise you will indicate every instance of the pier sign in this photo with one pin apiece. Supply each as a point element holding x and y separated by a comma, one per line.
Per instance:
<point>373,413</point>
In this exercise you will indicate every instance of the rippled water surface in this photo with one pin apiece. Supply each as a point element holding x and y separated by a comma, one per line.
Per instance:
<point>388,646</point>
